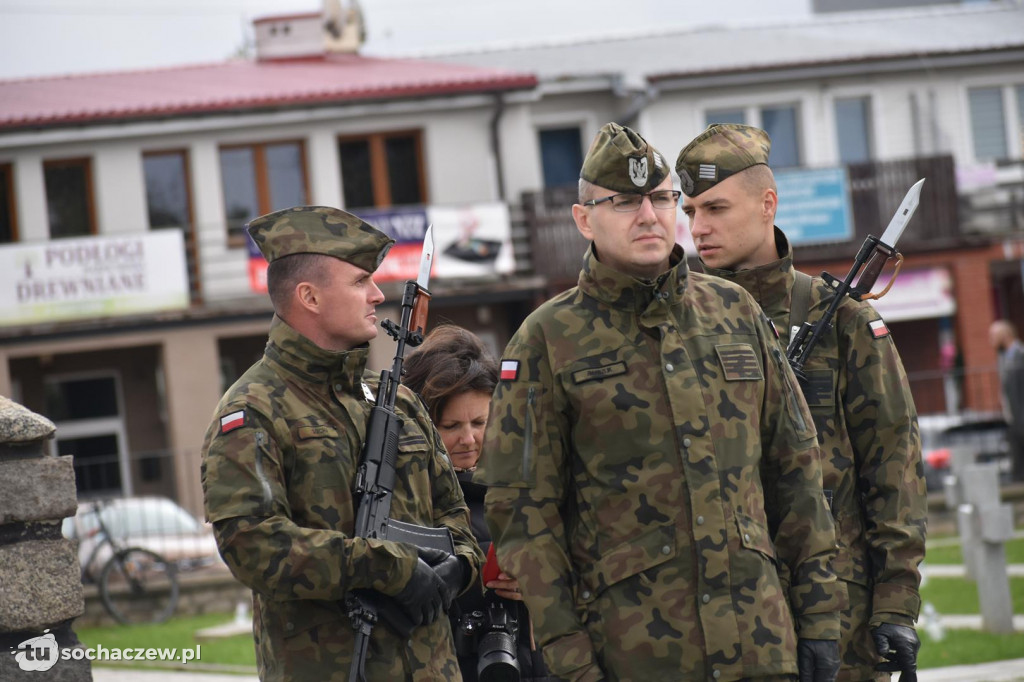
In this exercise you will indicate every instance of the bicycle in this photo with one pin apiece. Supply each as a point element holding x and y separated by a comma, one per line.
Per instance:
<point>136,585</point>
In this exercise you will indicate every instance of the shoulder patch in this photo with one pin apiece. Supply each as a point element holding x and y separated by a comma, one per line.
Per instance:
<point>509,370</point>
<point>739,362</point>
<point>878,329</point>
<point>230,422</point>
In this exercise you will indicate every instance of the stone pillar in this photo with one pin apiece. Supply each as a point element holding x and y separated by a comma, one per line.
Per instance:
<point>40,579</point>
<point>985,526</point>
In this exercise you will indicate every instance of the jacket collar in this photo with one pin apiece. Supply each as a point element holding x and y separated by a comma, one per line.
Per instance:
<point>770,284</point>
<point>626,292</point>
<point>295,355</point>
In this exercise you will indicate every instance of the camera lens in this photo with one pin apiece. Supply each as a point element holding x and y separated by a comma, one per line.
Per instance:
<point>497,658</point>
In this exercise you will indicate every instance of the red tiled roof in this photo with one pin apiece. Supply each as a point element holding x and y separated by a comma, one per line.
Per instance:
<point>240,85</point>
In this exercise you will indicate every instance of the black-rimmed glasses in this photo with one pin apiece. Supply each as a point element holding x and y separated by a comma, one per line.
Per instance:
<point>661,200</point>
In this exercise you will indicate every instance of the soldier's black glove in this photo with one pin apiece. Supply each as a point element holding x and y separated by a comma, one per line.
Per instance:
<point>898,645</point>
<point>449,568</point>
<point>423,596</point>
<point>818,659</point>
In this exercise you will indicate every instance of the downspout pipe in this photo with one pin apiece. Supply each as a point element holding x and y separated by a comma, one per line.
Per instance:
<point>640,95</point>
<point>499,112</point>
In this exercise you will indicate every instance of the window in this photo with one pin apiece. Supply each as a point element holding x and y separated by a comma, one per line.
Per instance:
<point>261,178</point>
<point>69,197</point>
<point>381,170</point>
<point>780,122</point>
<point>167,195</point>
<point>781,125</point>
<point>87,412</point>
<point>853,129</point>
<point>8,226</point>
<point>988,123</point>
<point>561,154</point>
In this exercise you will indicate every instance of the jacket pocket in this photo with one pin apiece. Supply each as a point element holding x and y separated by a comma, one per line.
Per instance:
<point>754,535</point>
<point>625,560</point>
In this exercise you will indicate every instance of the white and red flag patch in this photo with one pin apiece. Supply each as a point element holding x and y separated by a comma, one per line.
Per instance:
<point>230,422</point>
<point>878,329</point>
<point>509,370</point>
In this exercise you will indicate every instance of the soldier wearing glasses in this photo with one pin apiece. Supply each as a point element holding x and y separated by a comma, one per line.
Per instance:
<point>650,462</point>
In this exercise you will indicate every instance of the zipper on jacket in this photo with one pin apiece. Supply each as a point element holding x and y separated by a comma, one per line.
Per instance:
<point>261,448</point>
<point>787,387</point>
<point>528,436</point>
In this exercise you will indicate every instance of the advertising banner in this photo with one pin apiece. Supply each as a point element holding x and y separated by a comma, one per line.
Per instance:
<point>814,205</point>
<point>469,241</point>
<point>92,277</point>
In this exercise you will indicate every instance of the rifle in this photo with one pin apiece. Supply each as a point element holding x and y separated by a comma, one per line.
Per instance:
<point>872,257</point>
<point>375,478</point>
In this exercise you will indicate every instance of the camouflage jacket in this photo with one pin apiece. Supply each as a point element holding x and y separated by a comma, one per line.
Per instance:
<point>864,413</point>
<point>278,467</point>
<point>650,463</point>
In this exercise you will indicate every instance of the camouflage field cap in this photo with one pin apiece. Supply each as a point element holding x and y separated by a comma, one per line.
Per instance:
<point>621,160</point>
<point>720,151</point>
<point>320,229</point>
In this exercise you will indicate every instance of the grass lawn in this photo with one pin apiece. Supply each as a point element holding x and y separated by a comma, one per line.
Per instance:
<point>960,596</point>
<point>962,647</point>
<point>176,633</point>
<point>951,554</point>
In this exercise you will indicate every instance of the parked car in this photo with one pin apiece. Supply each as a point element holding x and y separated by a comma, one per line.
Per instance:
<point>154,523</point>
<point>980,436</point>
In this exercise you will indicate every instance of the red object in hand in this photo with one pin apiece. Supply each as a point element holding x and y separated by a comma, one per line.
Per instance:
<point>491,568</point>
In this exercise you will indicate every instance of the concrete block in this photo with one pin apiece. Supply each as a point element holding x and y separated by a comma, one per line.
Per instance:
<point>18,424</point>
<point>996,523</point>
<point>37,489</point>
<point>40,584</point>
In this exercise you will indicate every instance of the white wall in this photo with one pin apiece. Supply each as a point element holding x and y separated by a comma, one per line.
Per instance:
<point>940,125</point>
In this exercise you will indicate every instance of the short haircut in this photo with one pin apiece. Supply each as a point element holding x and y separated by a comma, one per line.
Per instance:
<point>586,191</point>
<point>758,178</point>
<point>451,361</point>
<point>286,273</point>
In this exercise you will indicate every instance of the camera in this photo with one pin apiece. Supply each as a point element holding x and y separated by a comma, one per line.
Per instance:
<point>491,636</point>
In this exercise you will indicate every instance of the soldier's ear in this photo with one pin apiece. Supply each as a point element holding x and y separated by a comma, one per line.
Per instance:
<point>769,203</point>
<point>581,216</point>
<point>307,295</point>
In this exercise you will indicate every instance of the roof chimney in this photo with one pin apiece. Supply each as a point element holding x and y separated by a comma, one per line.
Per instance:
<point>336,29</point>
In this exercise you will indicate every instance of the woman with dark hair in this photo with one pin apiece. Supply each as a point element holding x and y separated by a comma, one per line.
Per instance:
<point>455,375</point>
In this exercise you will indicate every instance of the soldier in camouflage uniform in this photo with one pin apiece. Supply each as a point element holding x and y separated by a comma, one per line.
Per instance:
<point>280,458</point>
<point>857,391</point>
<point>650,464</point>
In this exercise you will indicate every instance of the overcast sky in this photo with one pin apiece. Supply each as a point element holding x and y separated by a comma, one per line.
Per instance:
<point>48,37</point>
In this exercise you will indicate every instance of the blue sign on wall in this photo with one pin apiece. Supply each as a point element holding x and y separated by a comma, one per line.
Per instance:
<point>814,205</point>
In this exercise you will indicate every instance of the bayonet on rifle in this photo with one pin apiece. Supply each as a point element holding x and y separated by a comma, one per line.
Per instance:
<point>872,257</point>
<point>375,478</point>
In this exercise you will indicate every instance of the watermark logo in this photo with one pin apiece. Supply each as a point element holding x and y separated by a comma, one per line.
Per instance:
<point>37,654</point>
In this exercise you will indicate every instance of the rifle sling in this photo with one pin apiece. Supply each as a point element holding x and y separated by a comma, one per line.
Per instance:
<point>800,304</point>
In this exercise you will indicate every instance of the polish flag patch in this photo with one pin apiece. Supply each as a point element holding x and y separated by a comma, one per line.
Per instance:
<point>232,421</point>
<point>878,329</point>
<point>509,370</point>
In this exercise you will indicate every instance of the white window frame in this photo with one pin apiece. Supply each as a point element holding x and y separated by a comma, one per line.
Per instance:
<point>831,146</point>
<point>752,104</point>
<point>97,426</point>
<point>1012,120</point>
<point>586,121</point>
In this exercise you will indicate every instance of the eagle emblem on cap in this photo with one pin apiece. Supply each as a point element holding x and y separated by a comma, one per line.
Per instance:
<point>638,171</point>
<point>685,181</point>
